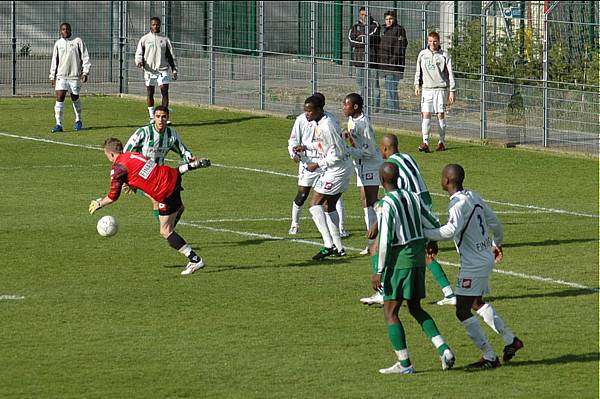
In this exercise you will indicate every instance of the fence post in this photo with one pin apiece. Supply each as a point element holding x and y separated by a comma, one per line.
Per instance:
<point>546,48</point>
<point>211,49</point>
<point>313,44</point>
<point>121,44</point>
<point>424,22</point>
<point>366,81</point>
<point>14,47</point>
<point>261,52</point>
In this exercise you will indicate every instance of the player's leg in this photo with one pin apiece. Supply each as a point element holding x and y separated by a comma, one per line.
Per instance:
<point>442,281</point>
<point>150,100</point>
<point>341,210</point>
<point>333,222</point>
<point>475,333</point>
<point>164,92</point>
<point>318,214</point>
<point>59,105</point>
<point>397,337</point>
<point>425,131</point>
<point>442,123</point>
<point>492,319</point>
<point>77,108</point>
<point>297,204</point>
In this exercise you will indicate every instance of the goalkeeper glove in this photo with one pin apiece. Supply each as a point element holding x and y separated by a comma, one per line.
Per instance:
<point>94,205</point>
<point>199,163</point>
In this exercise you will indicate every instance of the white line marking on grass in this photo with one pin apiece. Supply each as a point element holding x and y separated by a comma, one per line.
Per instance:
<point>92,147</point>
<point>318,244</point>
<point>11,297</point>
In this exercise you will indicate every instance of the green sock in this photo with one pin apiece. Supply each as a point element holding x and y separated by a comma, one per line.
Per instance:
<point>429,328</point>
<point>398,340</point>
<point>438,273</point>
<point>155,212</point>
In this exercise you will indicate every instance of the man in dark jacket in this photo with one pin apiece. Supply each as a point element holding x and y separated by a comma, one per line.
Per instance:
<point>392,51</point>
<point>358,39</point>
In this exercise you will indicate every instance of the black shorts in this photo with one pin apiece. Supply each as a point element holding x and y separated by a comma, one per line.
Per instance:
<point>173,202</point>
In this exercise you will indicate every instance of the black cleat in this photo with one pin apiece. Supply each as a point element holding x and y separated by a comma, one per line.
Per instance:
<point>483,364</point>
<point>339,252</point>
<point>511,349</point>
<point>324,252</point>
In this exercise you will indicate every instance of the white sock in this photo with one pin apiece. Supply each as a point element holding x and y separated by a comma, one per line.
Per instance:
<point>438,341</point>
<point>333,221</point>
<point>476,334</point>
<point>151,112</point>
<point>186,250</point>
<point>339,207</point>
<point>442,123</point>
<point>318,215</point>
<point>425,130</point>
<point>296,210</point>
<point>491,318</point>
<point>370,216</point>
<point>77,108</point>
<point>59,108</point>
<point>447,290</point>
<point>402,354</point>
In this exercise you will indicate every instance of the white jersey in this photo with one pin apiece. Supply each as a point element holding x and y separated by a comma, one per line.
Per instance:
<point>363,148</point>
<point>470,220</point>
<point>334,157</point>
<point>303,132</point>
<point>155,51</point>
<point>70,59</point>
<point>153,144</point>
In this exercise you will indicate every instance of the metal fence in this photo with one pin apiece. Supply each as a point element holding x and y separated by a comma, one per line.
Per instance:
<point>256,55</point>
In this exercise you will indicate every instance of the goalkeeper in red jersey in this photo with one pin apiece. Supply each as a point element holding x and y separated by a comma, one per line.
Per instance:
<point>160,182</point>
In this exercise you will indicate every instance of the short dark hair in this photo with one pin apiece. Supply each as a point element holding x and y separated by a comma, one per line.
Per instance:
<point>162,108</point>
<point>355,99</point>
<point>65,24</point>
<point>321,96</point>
<point>390,13</point>
<point>315,101</point>
<point>155,19</point>
<point>113,145</point>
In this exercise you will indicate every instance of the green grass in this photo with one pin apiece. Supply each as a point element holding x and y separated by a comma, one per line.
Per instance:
<point>113,318</point>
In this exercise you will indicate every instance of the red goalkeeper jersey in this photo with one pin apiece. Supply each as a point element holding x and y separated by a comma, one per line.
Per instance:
<point>139,172</point>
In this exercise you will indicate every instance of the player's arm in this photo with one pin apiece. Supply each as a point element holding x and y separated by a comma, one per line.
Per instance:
<point>418,76</point>
<point>134,144</point>
<point>295,138</point>
<point>493,223</point>
<point>85,61</point>
<point>383,243</point>
<point>447,231</point>
<point>54,64</point>
<point>170,55</point>
<point>139,53</point>
<point>181,148</point>
<point>99,203</point>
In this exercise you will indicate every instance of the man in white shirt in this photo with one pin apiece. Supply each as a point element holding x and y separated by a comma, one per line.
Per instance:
<point>336,166</point>
<point>303,132</point>
<point>70,66</point>
<point>470,220</point>
<point>155,55</point>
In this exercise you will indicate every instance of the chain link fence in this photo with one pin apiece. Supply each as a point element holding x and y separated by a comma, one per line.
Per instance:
<point>514,61</point>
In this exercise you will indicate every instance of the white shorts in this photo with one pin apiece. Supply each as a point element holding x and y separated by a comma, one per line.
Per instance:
<point>306,178</point>
<point>366,176</point>
<point>72,85</point>
<point>433,100</point>
<point>162,78</point>
<point>332,184</point>
<point>472,286</point>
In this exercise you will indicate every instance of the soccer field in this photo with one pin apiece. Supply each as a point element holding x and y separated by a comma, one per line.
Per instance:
<point>87,316</point>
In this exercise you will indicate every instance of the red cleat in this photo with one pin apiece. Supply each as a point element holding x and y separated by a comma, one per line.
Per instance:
<point>440,147</point>
<point>424,147</point>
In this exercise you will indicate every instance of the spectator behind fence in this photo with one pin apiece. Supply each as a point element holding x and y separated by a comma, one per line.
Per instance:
<point>392,51</point>
<point>358,38</point>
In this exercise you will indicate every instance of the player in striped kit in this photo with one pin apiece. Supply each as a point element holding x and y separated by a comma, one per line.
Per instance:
<point>410,179</point>
<point>303,132</point>
<point>156,140</point>
<point>366,156</point>
<point>70,66</point>
<point>336,166</point>
<point>160,182</point>
<point>399,267</point>
<point>470,222</point>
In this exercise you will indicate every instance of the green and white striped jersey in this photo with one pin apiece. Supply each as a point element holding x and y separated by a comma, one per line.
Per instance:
<point>155,145</point>
<point>410,175</point>
<point>401,217</point>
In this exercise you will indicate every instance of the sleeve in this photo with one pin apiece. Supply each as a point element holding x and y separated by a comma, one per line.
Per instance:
<point>354,35</point>
<point>118,176</point>
<point>295,137</point>
<point>139,52</point>
<point>134,144</point>
<point>493,223</point>
<point>418,77</point>
<point>85,58</point>
<point>179,147</point>
<point>54,63</point>
<point>332,149</point>
<point>451,82</point>
<point>428,218</point>
<point>386,231</point>
<point>170,55</point>
<point>447,231</point>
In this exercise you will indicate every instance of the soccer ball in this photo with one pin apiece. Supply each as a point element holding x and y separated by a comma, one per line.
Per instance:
<point>107,226</point>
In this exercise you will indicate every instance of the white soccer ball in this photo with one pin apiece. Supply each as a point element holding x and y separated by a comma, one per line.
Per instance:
<point>107,226</point>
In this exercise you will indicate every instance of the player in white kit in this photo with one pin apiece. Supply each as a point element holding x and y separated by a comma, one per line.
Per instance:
<point>470,221</point>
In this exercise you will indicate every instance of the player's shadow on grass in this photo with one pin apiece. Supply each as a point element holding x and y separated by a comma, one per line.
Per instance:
<point>112,127</point>
<point>570,358</point>
<point>550,242</point>
<point>220,121</point>
<point>556,294</point>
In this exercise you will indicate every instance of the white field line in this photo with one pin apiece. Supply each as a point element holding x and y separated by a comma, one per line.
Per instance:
<point>265,171</point>
<point>10,297</point>
<point>318,244</point>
